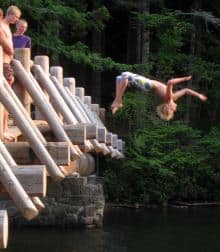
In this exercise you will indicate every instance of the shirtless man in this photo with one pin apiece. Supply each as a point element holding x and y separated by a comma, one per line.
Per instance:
<point>168,106</point>
<point>13,13</point>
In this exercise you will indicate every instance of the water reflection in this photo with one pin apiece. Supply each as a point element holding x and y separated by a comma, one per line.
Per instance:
<point>128,230</point>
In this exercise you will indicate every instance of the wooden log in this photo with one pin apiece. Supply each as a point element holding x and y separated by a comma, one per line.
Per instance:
<point>87,146</point>
<point>57,100</point>
<point>24,56</point>
<point>88,101</point>
<point>16,192</point>
<point>109,139</point>
<point>5,153</point>
<point>44,106</point>
<point>96,145</point>
<point>115,141</point>
<point>113,152</point>
<point>43,61</point>
<point>91,131</point>
<point>81,113</point>
<point>33,179</point>
<point>86,165</point>
<point>60,151</point>
<point>55,124</point>
<point>3,229</point>
<point>105,150</point>
<point>102,134</point>
<point>29,133</point>
<point>76,133</point>
<point>95,108</point>
<point>11,162</point>
<point>38,203</point>
<point>75,108</point>
<point>57,71</point>
<point>120,147</point>
<point>22,152</point>
<point>83,118</point>
<point>24,113</point>
<point>80,92</point>
<point>72,167</point>
<point>70,83</point>
<point>101,130</point>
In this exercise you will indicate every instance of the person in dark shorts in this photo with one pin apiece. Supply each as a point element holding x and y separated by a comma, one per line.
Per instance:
<point>8,72</point>
<point>13,13</point>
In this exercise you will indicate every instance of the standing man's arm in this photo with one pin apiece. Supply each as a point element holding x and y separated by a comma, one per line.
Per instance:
<point>5,46</point>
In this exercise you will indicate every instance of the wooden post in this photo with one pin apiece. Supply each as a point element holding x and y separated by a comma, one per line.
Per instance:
<point>45,107</point>
<point>43,61</point>
<point>29,133</point>
<point>24,113</point>
<point>3,229</point>
<point>80,113</point>
<point>88,101</point>
<point>57,71</point>
<point>24,56</point>
<point>74,107</point>
<point>15,190</point>
<point>55,97</point>
<point>71,84</point>
<point>80,92</point>
<point>109,138</point>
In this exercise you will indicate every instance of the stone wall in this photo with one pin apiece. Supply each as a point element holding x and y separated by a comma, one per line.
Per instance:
<point>75,202</point>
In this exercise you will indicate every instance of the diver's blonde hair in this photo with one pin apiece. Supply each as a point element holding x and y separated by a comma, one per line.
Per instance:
<point>163,113</point>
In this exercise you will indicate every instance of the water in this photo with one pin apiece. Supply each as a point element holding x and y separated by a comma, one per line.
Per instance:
<point>130,230</point>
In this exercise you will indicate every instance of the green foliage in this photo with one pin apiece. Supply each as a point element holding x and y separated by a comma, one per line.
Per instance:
<point>167,162</point>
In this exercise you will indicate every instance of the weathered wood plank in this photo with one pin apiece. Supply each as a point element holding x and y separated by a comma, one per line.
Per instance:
<point>23,154</point>
<point>33,179</point>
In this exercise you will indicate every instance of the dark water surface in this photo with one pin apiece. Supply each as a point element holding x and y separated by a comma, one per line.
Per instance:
<point>129,230</point>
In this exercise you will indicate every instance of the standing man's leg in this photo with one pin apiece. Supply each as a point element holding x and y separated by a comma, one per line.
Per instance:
<point>9,75</point>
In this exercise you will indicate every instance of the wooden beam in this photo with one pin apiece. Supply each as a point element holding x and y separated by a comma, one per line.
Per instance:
<point>16,191</point>
<point>30,133</point>
<point>33,179</point>
<point>23,154</point>
<point>44,106</point>
<point>24,56</point>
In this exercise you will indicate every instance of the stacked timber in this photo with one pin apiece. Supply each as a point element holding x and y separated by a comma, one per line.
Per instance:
<point>58,139</point>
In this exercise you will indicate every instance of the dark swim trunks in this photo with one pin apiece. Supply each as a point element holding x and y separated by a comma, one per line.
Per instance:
<point>8,72</point>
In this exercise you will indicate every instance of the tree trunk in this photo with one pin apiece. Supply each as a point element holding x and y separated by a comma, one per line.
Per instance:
<point>192,114</point>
